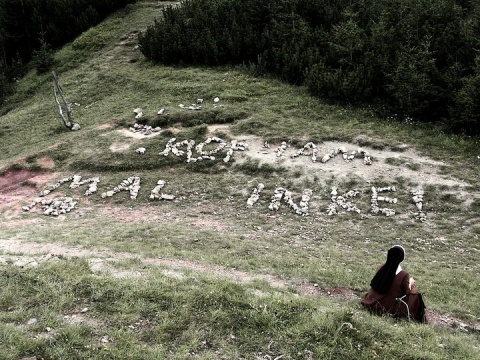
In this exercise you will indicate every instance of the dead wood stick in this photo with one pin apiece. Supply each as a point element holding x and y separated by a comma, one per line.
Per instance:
<point>58,91</point>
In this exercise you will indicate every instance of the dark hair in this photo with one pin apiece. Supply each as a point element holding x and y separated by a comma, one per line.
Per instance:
<point>382,281</point>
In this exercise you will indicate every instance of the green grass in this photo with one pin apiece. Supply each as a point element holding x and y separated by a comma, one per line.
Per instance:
<point>207,317</point>
<point>204,312</point>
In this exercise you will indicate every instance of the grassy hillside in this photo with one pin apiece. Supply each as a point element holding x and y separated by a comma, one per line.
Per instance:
<point>204,276</point>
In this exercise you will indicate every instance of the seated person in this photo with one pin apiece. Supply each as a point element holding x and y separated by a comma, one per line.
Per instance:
<point>392,290</point>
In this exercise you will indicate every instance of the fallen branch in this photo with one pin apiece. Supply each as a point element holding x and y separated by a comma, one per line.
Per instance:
<point>58,91</point>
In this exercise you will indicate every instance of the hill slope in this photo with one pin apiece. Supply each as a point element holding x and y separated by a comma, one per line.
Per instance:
<point>203,275</point>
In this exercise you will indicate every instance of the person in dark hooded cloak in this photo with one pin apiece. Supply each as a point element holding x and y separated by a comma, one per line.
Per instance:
<point>393,291</point>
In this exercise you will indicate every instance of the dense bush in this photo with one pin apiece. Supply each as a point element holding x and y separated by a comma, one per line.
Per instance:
<point>418,57</point>
<point>4,84</point>
<point>208,32</point>
<point>43,58</point>
<point>35,27</point>
<point>25,23</point>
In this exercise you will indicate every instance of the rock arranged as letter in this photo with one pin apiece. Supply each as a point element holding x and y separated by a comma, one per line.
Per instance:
<point>255,195</point>
<point>66,204</point>
<point>342,201</point>
<point>347,156</point>
<point>58,206</point>
<point>281,149</point>
<point>138,113</point>
<point>156,193</point>
<point>93,182</point>
<point>144,129</point>
<point>221,145</point>
<point>53,207</point>
<point>281,192</point>
<point>303,208</point>
<point>235,145</point>
<point>375,199</point>
<point>132,184</point>
<point>305,151</point>
<point>191,107</point>
<point>276,199</point>
<point>417,197</point>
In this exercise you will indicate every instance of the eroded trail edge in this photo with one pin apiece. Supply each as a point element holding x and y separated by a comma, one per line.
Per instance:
<point>31,254</point>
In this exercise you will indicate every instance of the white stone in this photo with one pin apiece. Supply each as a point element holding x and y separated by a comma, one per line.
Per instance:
<point>325,158</point>
<point>167,197</point>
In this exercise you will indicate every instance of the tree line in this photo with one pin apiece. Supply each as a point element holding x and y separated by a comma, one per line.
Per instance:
<point>416,59</point>
<point>33,28</point>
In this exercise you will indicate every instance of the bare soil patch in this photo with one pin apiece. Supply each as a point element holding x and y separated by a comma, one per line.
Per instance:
<point>46,163</point>
<point>137,135</point>
<point>428,169</point>
<point>13,191</point>
<point>81,318</point>
<point>417,169</point>
<point>104,126</point>
<point>222,128</point>
<point>132,138</point>
<point>120,146</point>
<point>14,178</point>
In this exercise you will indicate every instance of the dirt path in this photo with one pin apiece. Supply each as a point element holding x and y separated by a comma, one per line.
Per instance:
<point>101,260</point>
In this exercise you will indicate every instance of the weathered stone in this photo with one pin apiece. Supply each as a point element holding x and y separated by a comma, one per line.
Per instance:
<point>167,197</point>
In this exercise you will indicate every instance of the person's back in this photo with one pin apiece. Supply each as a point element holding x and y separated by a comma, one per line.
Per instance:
<point>392,291</point>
